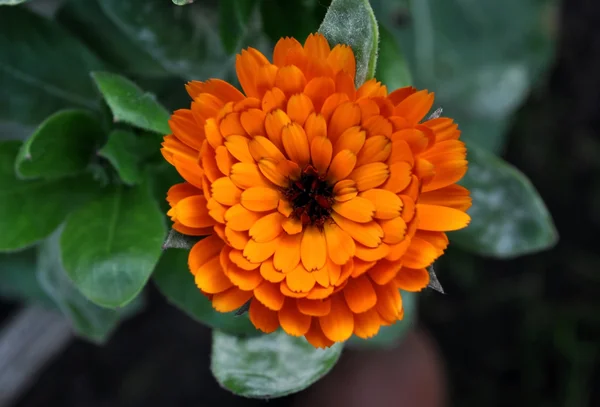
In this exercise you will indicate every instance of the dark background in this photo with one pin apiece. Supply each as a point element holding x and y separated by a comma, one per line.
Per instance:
<point>524,332</point>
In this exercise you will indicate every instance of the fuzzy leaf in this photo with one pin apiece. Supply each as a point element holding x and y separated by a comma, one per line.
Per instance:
<point>269,366</point>
<point>508,217</point>
<point>353,23</point>
<point>111,245</point>
<point>130,104</point>
<point>62,145</point>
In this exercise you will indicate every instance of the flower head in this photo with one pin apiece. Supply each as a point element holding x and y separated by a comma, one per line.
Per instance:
<point>320,201</point>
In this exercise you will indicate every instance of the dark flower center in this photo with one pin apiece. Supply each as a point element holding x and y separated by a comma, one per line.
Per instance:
<point>311,198</point>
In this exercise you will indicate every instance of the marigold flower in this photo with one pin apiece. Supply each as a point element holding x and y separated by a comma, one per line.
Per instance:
<point>320,201</point>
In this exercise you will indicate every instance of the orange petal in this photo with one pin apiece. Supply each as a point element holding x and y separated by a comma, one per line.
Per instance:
<point>371,88</point>
<point>247,63</point>
<point>259,252</point>
<point>376,149</point>
<point>267,228</point>
<point>346,115</point>
<point>400,177</point>
<point>231,125</point>
<point>384,271</point>
<point>367,324</point>
<point>314,308</point>
<point>341,58</point>
<point>192,212</point>
<point>370,176</point>
<point>412,279</point>
<point>286,209</point>
<point>265,79</point>
<point>377,126</point>
<point>237,240</point>
<point>221,89</point>
<point>345,190</point>
<point>335,271</point>
<point>387,204</point>
<point>313,249</point>
<point>269,295</point>
<point>359,294</point>
<point>262,317</point>
<point>438,239</point>
<point>268,168</point>
<point>244,279</point>
<point>253,122</point>
<point>295,144</point>
<point>260,199</point>
<point>361,267</point>
<point>210,277</point>
<point>292,226</point>
<point>275,121</point>
<point>238,147</point>
<point>401,152</point>
<point>389,302</point>
<point>318,90</point>
<point>180,191</point>
<point>316,337</point>
<point>344,83</point>
<point>292,320</point>
<point>444,129</point>
<point>261,147</point>
<point>452,196</point>
<point>287,254</point>
<point>240,219</point>
<point>440,218</point>
<point>330,105</point>
<point>245,175</point>
<point>319,293</point>
<point>341,166</point>
<point>369,234</point>
<point>186,129</point>
<point>316,46</point>
<point>239,260</point>
<point>352,139</point>
<point>282,48</point>
<point>415,107</point>
<point>419,254</point>
<point>189,170</point>
<point>212,132</point>
<point>289,169</point>
<point>408,208</point>
<point>287,291</point>
<point>269,273</point>
<point>321,152</point>
<point>290,80</point>
<point>358,209</point>
<point>224,160</point>
<point>322,275</point>
<point>231,299</point>
<point>209,163</point>
<point>339,324</point>
<point>394,230</point>
<point>225,192</point>
<point>340,246</point>
<point>273,99</point>
<point>300,280</point>
<point>203,251</point>
<point>299,108</point>
<point>315,126</point>
<point>369,254</point>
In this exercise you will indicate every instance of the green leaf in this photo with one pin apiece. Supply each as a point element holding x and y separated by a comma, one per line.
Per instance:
<point>392,68</point>
<point>233,19</point>
<point>130,104</point>
<point>18,280</point>
<point>31,210</point>
<point>508,217</point>
<point>42,69</point>
<point>480,57</point>
<point>185,42</point>
<point>126,151</point>
<point>353,23</point>
<point>88,319</point>
<point>86,20</point>
<point>390,336</point>
<point>62,145</point>
<point>111,245</point>
<point>174,280</point>
<point>269,366</point>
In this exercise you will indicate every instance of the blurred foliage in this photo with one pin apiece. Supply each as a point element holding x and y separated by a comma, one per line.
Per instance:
<point>83,92</point>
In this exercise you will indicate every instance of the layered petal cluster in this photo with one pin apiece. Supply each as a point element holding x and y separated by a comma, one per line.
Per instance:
<point>320,200</point>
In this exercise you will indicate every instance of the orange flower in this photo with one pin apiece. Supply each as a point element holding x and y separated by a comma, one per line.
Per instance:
<point>320,200</point>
